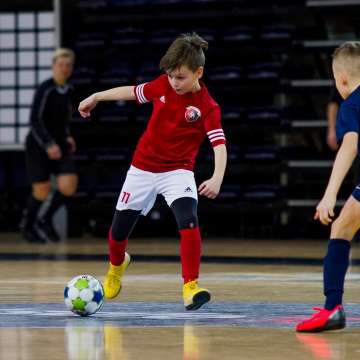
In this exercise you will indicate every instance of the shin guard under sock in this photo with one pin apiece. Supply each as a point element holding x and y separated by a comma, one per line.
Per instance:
<point>116,250</point>
<point>336,264</point>
<point>190,253</point>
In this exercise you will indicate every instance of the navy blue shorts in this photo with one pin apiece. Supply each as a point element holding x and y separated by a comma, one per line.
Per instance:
<point>356,193</point>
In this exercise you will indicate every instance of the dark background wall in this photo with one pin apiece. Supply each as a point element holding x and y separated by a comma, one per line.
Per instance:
<point>24,5</point>
<point>268,66</point>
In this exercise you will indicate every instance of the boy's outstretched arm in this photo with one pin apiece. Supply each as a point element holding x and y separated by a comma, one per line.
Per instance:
<point>119,93</point>
<point>211,188</point>
<point>342,164</point>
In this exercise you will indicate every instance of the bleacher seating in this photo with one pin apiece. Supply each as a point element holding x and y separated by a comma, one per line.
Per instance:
<point>244,72</point>
<point>268,66</point>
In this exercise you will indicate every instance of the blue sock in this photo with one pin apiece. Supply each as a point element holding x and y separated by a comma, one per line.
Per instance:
<point>336,263</point>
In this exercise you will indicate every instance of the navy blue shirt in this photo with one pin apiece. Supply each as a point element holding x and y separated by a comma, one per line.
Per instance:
<point>348,117</point>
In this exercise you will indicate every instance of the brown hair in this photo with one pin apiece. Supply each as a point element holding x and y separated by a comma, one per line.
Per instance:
<point>187,49</point>
<point>347,57</point>
<point>63,52</point>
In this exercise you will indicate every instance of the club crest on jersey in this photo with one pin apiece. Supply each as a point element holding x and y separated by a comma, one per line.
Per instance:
<point>192,113</point>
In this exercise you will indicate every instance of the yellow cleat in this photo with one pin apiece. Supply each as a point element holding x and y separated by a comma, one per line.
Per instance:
<point>194,297</point>
<point>112,282</point>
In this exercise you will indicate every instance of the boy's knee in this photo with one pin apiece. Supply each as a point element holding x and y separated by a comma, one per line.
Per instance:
<point>185,211</point>
<point>187,221</point>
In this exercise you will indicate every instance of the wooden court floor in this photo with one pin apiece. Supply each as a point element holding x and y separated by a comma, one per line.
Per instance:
<point>252,315</point>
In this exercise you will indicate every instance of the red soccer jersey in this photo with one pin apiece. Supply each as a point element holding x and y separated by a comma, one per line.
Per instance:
<point>177,126</point>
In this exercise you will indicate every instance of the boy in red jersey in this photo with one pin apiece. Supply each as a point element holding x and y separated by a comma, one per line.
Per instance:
<point>183,114</point>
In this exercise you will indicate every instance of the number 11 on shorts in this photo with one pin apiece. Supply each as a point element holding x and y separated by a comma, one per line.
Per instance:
<point>125,197</point>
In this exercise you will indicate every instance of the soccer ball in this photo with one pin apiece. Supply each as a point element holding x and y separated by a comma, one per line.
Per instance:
<point>84,295</point>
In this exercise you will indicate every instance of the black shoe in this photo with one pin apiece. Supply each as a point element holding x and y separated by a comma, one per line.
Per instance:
<point>47,229</point>
<point>33,236</point>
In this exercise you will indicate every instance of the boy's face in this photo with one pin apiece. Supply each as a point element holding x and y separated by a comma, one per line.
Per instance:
<point>341,81</point>
<point>62,68</point>
<point>183,80</point>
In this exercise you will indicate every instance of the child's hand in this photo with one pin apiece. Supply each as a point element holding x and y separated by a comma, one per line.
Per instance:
<point>325,210</point>
<point>210,188</point>
<point>87,105</point>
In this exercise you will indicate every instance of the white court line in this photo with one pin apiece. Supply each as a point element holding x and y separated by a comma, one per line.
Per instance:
<point>213,277</point>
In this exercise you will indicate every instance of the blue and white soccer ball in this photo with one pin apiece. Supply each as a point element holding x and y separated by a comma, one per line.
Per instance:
<point>84,295</point>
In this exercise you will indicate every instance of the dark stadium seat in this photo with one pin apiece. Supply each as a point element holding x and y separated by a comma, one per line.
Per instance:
<point>231,193</point>
<point>226,74</point>
<point>264,114</point>
<point>262,193</point>
<point>2,178</point>
<point>128,36</point>
<point>115,112</point>
<point>277,33</point>
<point>147,71</point>
<point>265,67</point>
<point>233,114</point>
<point>264,71</point>
<point>261,154</point>
<point>238,35</point>
<point>163,37</point>
<point>83,76</point>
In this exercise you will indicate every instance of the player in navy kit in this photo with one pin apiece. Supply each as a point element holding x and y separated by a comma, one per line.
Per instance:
<point>183,114</point>
<point>346,69</point>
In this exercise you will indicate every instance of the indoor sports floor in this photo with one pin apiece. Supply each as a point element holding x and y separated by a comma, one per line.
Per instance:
<point>260,290</point>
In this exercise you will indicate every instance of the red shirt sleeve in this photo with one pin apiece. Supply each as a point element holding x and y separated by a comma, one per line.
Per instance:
<point>151,90</point>
<point>213,127</point>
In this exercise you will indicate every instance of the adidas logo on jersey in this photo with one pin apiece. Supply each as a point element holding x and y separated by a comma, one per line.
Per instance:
<point>188,189</point>
<point>162,99</point>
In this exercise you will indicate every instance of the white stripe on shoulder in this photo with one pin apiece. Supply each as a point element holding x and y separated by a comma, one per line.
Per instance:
<point>216,130</point>
<point>140,93</point>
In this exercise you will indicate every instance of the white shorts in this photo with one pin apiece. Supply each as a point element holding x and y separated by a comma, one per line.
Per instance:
<point>141,188</point>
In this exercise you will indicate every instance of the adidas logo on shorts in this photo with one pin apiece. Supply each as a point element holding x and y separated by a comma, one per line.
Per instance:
<point>188,189</point>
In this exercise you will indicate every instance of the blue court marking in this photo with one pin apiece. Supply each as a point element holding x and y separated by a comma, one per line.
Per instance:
<point>170,259</point>
<point>155,314</point>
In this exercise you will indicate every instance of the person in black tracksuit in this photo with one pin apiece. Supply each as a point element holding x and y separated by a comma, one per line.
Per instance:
<point>49,146</point>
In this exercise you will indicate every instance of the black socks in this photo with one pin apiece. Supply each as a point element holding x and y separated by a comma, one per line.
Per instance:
<point>32,210</point>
